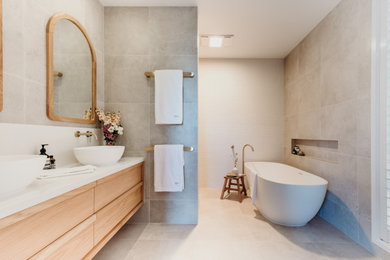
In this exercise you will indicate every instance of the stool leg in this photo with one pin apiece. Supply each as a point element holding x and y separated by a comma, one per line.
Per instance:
<point>243,185</point>
<point>239,191</point>
<point>229,183</point>
<point>223,188</point>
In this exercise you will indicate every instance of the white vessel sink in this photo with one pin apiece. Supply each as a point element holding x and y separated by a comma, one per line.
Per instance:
<point>18,171</point>
<point>99,155</point>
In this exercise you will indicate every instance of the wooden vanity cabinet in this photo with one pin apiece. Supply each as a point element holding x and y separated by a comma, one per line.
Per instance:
<point>77,224</point>
<point>111,187</point>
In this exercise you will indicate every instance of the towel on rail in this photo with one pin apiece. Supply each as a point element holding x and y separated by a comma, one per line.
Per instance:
<point>168,96</point>
<point>168,168</point>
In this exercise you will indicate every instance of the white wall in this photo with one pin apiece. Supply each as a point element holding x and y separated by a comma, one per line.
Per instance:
<point>27,139</point>
<point>240,101</point>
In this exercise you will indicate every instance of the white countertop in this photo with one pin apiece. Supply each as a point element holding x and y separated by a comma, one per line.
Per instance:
<point>43,190</point>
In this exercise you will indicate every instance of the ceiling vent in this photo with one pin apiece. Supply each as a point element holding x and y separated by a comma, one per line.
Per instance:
<point>215,40</point>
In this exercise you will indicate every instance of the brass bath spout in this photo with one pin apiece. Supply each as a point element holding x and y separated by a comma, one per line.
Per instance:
<point>243,155</point>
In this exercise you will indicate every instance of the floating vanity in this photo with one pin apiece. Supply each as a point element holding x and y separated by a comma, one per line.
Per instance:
<point>71,217</point>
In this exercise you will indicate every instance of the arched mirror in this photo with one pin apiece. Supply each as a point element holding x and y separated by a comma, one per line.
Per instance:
<point>71,71</point>
<point>1,55</point>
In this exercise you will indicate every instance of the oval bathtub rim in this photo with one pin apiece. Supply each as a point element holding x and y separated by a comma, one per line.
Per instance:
<point>289,184</point>
<point>296,185</point>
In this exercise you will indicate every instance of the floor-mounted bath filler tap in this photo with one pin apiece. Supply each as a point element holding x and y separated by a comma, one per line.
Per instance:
<point>243,156</point>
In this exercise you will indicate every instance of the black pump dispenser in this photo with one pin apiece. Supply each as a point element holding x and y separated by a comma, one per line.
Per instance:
<point>43,150</point>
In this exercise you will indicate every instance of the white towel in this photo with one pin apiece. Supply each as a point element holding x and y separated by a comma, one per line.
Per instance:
<point>168,168</point>
<point>66,171</point>
<point>168,96</point>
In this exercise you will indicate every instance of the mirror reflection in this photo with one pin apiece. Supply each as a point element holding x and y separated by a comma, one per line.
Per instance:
<point>72,68</point>
<point>71,71</point>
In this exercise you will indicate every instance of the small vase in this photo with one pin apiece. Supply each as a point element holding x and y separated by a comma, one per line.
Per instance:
<point>110,138</point>
<point>235,171</point>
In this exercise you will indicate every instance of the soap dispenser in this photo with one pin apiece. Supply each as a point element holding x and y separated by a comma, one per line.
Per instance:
<point>52,162</point>
<point>43,152</point>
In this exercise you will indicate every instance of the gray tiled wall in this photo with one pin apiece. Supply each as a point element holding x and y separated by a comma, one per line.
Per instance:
<point>327,86</point>
<point>139,39</point>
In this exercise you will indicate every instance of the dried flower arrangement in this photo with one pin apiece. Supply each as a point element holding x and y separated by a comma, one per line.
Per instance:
<point>235,160</point>
<point>111,126</point>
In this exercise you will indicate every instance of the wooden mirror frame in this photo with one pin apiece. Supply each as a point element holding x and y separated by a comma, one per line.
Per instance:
<point>1,55</point>
<point>50,70</point>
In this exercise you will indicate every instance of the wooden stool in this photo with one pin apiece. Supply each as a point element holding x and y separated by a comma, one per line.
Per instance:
<point>234,180</point>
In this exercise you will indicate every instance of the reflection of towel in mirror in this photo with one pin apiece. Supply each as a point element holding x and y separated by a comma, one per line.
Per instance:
<point>67,171</point>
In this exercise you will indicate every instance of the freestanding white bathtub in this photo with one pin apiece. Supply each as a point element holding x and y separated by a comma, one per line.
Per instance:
<point>283,194</point>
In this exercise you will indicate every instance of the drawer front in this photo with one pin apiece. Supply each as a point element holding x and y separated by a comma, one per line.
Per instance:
<point>25,238</point>
<point>109,216</point>
<point>75,244</point>
<point>111,187</point>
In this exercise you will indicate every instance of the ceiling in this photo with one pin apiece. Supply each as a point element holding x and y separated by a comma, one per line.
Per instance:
<point>261,28</point>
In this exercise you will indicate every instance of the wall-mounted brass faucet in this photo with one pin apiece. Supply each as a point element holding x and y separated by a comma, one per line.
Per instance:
<point>87,134</point>
<point>243,156</point>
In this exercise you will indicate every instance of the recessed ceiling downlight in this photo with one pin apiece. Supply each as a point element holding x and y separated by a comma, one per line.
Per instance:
<point>216,41</point>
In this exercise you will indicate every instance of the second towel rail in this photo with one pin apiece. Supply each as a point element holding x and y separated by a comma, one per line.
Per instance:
<point>185,74</point>
<point>186,148</point>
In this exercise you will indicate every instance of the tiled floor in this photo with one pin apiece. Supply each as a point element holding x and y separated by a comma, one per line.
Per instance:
<point>230,230</point>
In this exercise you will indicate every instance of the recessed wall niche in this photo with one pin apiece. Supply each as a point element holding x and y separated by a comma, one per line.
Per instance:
<point>323,150</point>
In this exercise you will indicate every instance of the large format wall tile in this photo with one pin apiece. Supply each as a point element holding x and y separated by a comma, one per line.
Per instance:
<point>363,128</point>
<point>327,84</point>
<point>94,23</point>
<point>147,39</point>
<point>142,215</point>
<point>309,88</point>
<point>291,66</point>
<point>341,217</point>
<point>126,31</point>
<point>13,45</point>
<point>125,79</point>
<point>174,211</point>
<point>338,87</point>
<point>173,31</point>
<point>364,186</point>
<point>340,29</point>
<point>184,134</point>
<point>13,93</point>
<point>309,52</point>
<point>338,122</point>
<point>135,120</point>
<point>24,39</point>
<point>100,78</point>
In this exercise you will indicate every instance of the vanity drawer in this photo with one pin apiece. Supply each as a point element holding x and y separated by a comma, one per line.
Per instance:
<point>111,187</point>
<point>75,244</point>
<point>109,216</point>
<point>24,238</point>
